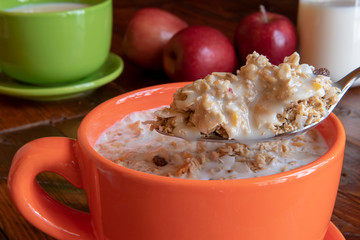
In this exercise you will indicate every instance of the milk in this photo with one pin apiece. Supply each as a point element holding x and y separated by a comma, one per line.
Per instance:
<point>131,143</point>
<point>329,35</point>
<point>47,7</point>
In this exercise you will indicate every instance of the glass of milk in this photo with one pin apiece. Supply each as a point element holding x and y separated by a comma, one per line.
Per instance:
<point>329,35</point>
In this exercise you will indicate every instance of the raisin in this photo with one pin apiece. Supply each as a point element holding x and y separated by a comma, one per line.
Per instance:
<point>159,161</point>
<point>322,71</point>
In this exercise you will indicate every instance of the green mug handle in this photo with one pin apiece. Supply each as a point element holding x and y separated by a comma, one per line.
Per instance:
<point>50,154</point>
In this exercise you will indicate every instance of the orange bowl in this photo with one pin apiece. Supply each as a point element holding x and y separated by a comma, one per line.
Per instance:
<point>127,204</point>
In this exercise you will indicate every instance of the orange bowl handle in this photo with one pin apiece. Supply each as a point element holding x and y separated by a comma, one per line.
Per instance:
<point>50,154</point>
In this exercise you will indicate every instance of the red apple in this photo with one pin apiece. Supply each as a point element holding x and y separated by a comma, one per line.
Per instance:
<point>270,34</point>
<point>197,51</point>
<point>147,33</point>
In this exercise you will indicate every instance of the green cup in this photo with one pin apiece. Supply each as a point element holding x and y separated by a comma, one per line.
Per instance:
<point>58,47</point>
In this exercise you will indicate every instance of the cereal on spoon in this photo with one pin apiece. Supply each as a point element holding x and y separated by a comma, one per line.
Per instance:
<point>260,100</point>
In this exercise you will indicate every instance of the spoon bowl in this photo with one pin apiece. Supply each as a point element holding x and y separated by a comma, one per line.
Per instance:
<point>343,84</point>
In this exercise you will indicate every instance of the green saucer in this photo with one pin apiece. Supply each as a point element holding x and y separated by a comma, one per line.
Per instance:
<point>110,70</point>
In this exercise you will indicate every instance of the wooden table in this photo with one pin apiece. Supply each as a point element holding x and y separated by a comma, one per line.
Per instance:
<point>24,120</point>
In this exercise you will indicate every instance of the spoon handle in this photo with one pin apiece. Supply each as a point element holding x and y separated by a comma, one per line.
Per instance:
<point>346,82</point>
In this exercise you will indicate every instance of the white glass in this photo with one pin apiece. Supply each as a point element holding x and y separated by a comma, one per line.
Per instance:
<point>329,35</point>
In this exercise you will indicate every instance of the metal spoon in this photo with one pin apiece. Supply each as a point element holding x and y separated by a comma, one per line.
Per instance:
<point>343,84</point>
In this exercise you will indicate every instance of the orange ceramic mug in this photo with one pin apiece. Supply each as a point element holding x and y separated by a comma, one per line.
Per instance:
<point>126,204</point>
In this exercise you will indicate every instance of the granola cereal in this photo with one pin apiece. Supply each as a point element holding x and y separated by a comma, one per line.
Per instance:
<point>261,100</point>
<point>131,143</point>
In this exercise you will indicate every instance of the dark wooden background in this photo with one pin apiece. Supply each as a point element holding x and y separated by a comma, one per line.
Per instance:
<point>23,120</point>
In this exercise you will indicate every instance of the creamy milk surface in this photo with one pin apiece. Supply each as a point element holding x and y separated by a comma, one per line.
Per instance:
<point>132,143</point>
<point>47,7</point>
